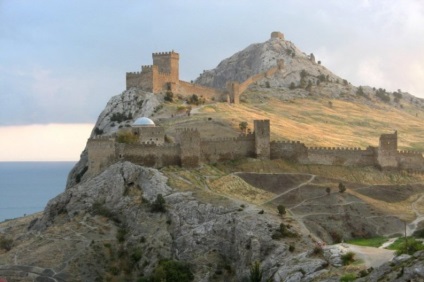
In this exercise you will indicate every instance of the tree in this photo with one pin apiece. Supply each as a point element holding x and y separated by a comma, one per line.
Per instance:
<point>342,188</point>
<point>281,210</point>
<point>169,96</point>
<point>328,190</point>
<point>330,104</point>
<point>256,272</point>
<point>292,86</point>
<point>159,204</point>
<point>243,126</point>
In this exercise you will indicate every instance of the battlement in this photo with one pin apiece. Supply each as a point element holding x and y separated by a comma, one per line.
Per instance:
<point>146,68</point>
<point>172,53</point>
<point>286,142</point>
<point>403,152</point>
<point>102,137</point>
<point>134,73</point>
<point>334,149</point>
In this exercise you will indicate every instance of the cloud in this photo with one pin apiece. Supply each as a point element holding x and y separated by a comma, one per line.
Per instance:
<point>51,142</point>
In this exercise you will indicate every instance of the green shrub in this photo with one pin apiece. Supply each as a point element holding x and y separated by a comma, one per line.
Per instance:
<point>348,258</point>
<point>169,96</point>
<point>409,247</point>
<point>172,271</point>
<point>348,277</point>
<point>281,210</point>
<point>126,137</point>
<point>136,255</point>
<point>120,235</point>
<point>159,205</point>
<point>6,243</point>
<point>255,272</point>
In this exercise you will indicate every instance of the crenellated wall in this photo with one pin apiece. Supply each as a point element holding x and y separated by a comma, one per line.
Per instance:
<point>225,149</point>
<point>199,90</point>
<point>190,150</point>
<point>410,160</point>
<point>149,154</point>
<point>341,156</point>
<point>163,76</point>
<point>289,150</point>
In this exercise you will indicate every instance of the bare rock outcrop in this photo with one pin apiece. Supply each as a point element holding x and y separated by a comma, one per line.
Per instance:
<point>209,235</point>
<point>260,57</point>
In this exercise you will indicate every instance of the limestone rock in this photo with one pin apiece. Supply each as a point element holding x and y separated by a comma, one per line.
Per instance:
<point>203,234</point>
<point>260,57</point>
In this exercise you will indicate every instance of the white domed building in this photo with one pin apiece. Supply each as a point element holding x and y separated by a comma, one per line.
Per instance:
<point>143,122</point>
<point>148,132</point>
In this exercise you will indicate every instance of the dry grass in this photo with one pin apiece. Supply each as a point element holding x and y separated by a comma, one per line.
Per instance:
<point>312,121</point>
<point>233,186</point>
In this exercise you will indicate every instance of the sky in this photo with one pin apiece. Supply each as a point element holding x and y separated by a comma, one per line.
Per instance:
<point>61,61</point>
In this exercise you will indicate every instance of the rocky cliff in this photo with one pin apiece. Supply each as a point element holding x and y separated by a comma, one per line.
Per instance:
<point>93,228</point>
<point>260,57</point>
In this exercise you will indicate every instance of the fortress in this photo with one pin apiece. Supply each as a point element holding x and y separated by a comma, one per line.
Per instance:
<point>189,150</point>
<point>146,145</point>
<point>163,76</point>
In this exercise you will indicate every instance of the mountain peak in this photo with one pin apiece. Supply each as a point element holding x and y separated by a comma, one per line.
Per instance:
<point>260,57</point>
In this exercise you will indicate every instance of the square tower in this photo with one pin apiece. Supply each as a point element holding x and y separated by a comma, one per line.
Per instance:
<point>262,138</point>
<point>387,151</point>
<point>168,63</point>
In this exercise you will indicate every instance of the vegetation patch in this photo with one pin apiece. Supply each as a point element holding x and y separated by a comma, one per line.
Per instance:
<point>406,246</point>
<point>368,242</point>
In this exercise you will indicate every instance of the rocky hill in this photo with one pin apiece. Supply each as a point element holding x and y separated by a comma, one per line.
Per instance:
<point>216,222</point>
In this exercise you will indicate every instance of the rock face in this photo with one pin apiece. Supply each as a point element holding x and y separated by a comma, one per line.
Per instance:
<point>260,57</point>
<point>120,111</point>
<point>216,237</point>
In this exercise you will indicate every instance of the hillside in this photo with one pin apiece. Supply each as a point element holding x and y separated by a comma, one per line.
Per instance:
<point>215,221</point>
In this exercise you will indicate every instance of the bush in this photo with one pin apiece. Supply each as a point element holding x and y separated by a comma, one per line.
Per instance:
<point>409,247</point>
<point>342,188</point>
<point>126,137</point>
<point>136,255</point>
<point>99,209</point>
<point>348,258</point>
<point>196,100</point>
<point>255,272</point>
<point>120,117</point>
<point>6,243</point>
<point>120,235</point>
<point>98,131</point>
<point>281,210</point>
<point>172,271</point>
<point>292,86</point>
<point>159,204</point>
<point>348,277</point>
<point>169,96</point>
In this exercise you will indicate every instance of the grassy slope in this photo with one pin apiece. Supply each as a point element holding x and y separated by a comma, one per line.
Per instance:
<point>311,121</point>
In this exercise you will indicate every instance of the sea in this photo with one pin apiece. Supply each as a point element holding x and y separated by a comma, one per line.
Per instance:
<point>26,187</point>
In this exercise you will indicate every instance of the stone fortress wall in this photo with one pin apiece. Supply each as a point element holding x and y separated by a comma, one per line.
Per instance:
<point>163,76</point>
<point>190,151</point>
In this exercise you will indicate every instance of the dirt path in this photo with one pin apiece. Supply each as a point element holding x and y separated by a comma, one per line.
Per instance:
<point>290,190</point>
<point>372,257</point>
<point>411,227</point>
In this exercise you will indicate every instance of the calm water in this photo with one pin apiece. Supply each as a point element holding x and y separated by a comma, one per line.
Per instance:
<point>26,187</point>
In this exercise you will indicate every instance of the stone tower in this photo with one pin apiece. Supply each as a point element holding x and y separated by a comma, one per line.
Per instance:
<point>387,151</point>
<point>168,63</point>
<point>189,140</point>
<point>262,138</point>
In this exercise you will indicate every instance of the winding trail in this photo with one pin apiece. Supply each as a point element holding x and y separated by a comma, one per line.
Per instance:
<point>411,227</point>
<point>292,189</point>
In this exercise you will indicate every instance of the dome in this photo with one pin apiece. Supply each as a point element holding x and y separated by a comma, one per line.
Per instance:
<point>143,121</point>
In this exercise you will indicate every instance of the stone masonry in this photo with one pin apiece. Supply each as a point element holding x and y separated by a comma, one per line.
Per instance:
<point>190,150</point>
